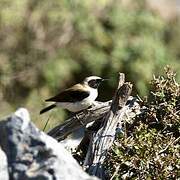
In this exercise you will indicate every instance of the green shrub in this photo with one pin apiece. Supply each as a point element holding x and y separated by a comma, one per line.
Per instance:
<point>151,148</point>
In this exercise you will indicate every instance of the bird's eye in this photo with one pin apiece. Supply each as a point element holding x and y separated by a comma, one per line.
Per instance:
<point>93,83</point>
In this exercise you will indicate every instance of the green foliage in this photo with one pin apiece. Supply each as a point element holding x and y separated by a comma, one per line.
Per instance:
<point>166,99</point>
<point>48,45</point>
<point>151,149</point>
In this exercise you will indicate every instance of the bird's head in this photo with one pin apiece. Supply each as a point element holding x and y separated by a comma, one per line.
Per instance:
<point>93,81</point>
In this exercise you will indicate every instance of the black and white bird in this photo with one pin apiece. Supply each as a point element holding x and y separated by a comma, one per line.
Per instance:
<point>78,97</point>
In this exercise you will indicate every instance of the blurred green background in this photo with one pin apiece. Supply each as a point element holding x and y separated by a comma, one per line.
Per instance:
<point>46,46</point>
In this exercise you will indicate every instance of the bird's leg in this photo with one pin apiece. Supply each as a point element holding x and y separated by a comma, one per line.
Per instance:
<point>92,107</point>
<point>88,111</point>
<point>78,118</point>
<point>95,103</point>
<point>85,111</point>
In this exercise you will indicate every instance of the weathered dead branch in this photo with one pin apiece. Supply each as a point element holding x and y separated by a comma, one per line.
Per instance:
<point>108,117</point>
<point>61,131</point>
<point>103,139</point>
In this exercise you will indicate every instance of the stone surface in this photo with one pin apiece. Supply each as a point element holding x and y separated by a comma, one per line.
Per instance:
<point>3,166</point>
<point>31,154</point>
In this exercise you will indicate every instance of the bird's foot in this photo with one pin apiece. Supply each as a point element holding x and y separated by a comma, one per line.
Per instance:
<point>88,111</point>
<point>94,104</point>
<point>79,119</point>
<point>85,111</point>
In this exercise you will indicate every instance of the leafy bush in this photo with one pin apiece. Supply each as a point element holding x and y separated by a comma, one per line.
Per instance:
<point>151,148</point>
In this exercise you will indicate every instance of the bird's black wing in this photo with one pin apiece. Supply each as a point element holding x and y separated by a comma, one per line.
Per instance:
<point>70,95</point>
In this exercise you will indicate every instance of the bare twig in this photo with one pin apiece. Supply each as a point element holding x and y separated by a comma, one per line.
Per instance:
<point>116,172</point>
<point>46,122</point>
<point>171,143</point>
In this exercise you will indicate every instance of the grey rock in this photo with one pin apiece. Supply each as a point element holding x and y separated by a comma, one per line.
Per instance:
<point>3,166</point>
<point>32,154</point>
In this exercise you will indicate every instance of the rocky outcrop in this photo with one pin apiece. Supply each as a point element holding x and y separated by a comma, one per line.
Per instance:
<point>31,154</point>
<point>3,166</point>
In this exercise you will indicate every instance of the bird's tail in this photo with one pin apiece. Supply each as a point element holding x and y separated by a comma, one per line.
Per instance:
<point>47,108</point>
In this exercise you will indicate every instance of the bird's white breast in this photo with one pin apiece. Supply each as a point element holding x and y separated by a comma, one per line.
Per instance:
<point>80,105</point>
